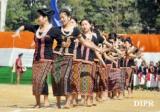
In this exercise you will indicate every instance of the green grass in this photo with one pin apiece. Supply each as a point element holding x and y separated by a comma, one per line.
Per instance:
<point>7,77</point>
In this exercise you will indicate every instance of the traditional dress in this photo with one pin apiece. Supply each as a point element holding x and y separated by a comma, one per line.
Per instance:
<point>151,77</point>
<point>126,72</point>
<point>135,76</point>
<point>76,68</point>
<point>100,77</point>
<point>75,79</point>
<point>43,56</point>
<point>61,73</point>
<point>115,79</point>
<point>142,71</point>
<point>86,77</point>
<point>63,64</point>
<point>129,73</point>
<point>101,73</point>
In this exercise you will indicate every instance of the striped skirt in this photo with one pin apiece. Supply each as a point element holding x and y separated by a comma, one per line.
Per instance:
<point>108,70</point>
<point>100,78</point>
<point>40,70</point>
<point>86,81</point>
<point>114,79</point>
<point>123,78</point>
<point>61,74</point>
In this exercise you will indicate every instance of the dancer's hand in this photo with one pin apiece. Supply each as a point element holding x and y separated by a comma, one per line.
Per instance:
<point>103,50</point>
<point>32,44</point>
<point>16,34</point>
<point>63,44</point>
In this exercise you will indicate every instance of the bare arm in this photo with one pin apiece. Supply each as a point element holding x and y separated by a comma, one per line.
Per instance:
<point>16,34</point>
<point>89,44</point>
<point>109,58</point>
<point>107,43</point>
<point>99,56</point>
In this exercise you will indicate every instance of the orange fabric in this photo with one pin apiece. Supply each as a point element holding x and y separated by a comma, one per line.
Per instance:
<point>25,40</point>
<point>151,42</point>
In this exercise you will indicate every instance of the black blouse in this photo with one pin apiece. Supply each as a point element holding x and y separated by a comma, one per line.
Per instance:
<point>142,70</point>
<point>74,35</point>
<point>43,46</point>
<point>84,52</point>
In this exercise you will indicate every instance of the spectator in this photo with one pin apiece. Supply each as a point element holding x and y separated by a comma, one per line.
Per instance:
<point>19,68</point>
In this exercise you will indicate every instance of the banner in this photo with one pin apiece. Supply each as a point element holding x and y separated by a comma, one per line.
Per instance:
<point>55,18</point>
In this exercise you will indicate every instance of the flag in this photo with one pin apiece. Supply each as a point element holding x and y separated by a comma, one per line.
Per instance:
<point>55,18</point>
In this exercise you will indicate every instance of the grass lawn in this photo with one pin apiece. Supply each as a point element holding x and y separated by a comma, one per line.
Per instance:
<point>7,77</point>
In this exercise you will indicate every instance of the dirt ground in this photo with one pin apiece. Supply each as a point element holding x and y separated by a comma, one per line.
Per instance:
<point>19,98</point>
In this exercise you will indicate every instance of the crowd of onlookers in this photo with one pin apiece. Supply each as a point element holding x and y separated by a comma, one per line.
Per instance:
<point>147,75</point>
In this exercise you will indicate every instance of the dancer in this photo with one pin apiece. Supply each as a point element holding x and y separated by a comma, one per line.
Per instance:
<point>45,33</point>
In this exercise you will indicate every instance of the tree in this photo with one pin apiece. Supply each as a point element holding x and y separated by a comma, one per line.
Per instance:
<point>23,11</point>
<point>16,14</point>
<point>119,15</point>
<point>149,11</point>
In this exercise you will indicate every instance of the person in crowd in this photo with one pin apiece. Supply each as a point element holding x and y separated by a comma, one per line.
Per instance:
<point>19,68</point>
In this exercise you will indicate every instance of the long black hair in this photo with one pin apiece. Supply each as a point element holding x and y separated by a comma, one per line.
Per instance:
<point>66,11</point>
<point>46,12</point>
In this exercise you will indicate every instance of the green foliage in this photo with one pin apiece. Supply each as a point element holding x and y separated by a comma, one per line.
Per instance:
<point>16,13</point>
<point>118,16</point>
<point>158,22</point>
<point>121,16</point>
<point>22,11</point>
<point>149,11</point>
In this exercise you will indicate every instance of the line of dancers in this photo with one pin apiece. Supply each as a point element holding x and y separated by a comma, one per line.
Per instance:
<point>86,64</point>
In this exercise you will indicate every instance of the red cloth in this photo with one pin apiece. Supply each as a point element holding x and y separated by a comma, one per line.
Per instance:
<point>19,65</point>
<point>148,77</point>
<point>140,76</point>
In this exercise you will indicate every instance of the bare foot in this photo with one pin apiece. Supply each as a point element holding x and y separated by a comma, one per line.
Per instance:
<point>58,106</point>
<point>46,104</point>
<point>37,106</point>
<point>82,103</point>
<point>88,104</point>
<point>75,103</point>
<point>67,106</point>
<point>94,103</point>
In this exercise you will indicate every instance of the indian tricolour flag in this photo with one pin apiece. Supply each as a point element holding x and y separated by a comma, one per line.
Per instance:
<point>11,47</point>
<point>151,44</point>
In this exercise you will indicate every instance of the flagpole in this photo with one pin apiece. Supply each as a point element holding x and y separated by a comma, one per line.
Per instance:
<point>3,7</point>
<point>13,65</point>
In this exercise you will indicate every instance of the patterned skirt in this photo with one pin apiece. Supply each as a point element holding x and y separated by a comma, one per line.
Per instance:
<point>40,70</point>
<point>75,79</point>
<point>100,78</point>
<point>123,78</point>
<point>86,81</point>
<point>114,79</point>
<point>61,74</point>
<point>108,70</point>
